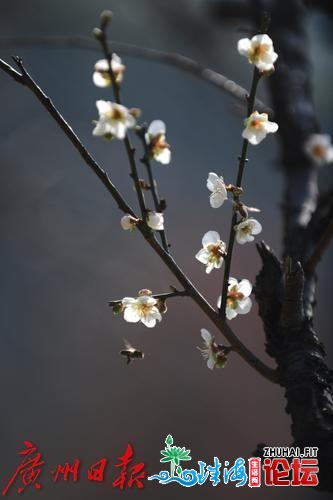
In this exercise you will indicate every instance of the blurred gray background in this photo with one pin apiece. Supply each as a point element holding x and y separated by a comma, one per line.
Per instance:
<point>63,254</point>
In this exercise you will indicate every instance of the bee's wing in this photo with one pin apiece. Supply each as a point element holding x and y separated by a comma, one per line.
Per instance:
<point>129,346</point>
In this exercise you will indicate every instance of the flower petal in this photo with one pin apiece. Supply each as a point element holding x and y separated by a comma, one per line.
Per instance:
<point>156,127</point>
<point>207,337</point>
<point>244,306</point>
<point>244,287</point>
<point>244,46</point>
<point>210,237</point>
<point>211,362</point>
<point>202,256</point>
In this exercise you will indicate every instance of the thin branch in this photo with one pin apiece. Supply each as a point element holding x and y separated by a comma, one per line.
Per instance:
<point>26,80</point>
<point>172,59</point>
<point>152,184</point>
<point>160,296</point>
<point>322,245</point>
<point>241,167</point>
<point>102,38</point>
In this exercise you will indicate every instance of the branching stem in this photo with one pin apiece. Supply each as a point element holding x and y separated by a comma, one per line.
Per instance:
<point>241,167</point>
<point>25,79</point>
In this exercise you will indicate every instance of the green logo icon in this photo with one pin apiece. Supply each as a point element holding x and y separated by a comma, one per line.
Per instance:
<point>175,455</point>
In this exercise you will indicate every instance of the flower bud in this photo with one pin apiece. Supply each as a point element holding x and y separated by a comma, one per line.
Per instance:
<point>117,308</point>
<point>97,33</point>
<point>144,292</point>
<point>106,17</point>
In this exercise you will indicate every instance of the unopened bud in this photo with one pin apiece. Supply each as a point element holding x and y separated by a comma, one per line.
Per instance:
<point>144,292</point>
<point>97,33</point>
<point>117,308</point>
<point>161,306</point>
<point>163,205</point>
<point>135,112</point>
<point>106,17</point>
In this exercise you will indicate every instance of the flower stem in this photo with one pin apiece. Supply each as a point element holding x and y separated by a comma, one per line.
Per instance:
<point>153,184</point>
<point>128,146</point>
<point>241,168</point>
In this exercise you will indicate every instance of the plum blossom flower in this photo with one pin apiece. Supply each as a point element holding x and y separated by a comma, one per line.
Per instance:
<point>257,127</point>
<point>259,51</point>
<point>143,308</point>
<point>114,120</point>
<point>159,149</point>
<point>238,298</point>
<point>246,229</point>
<point>155,220</point>
<point>319,148</point>
<point>212,352</point>
<point>213,251</point>
<point>216,185</point>
<point>101,75</point>
<point>128,223</point>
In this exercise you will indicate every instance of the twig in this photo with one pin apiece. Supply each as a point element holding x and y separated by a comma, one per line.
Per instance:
<point>102,38</point>
<point>315,258</point>
<point>152,183</point>
<point>241,167</point>
<point>26,80</point>
<point>161,296</point>
<point>172,59</point>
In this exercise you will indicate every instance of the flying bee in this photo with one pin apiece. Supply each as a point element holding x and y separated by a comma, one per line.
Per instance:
<point>131,352</point>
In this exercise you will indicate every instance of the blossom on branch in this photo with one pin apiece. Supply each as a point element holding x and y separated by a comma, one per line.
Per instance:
<point>212,352</point>
<point>238,298</point>
<point>246,229</point>
<point>213,251</point>
<point>128,223</point>
<point>257,127</point>
<point>144,308</point>
<point>101,75</point>
<point>259,51</point>
<point>158,148</point>
<point>319,148</point>
<point>216,185</point>
<point>114,120</point>
<point>155,220</point>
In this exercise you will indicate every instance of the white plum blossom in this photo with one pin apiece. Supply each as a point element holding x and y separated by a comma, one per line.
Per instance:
<point>257,127</point>
<point>259,51</point>
<point>213,251</point>
<point>238,298</point>
<point>159,149</point>
<point>319,148</point>
<point>128,223</point>
<point>143,308</point>
<point>246,229</point>
<point>155,220</point>
<point>101,75</point>
<point>114,120</point>
<point>214,354</point>
<point>216,185</point>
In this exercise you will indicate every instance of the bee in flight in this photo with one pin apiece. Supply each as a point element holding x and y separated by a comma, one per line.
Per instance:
<point>131,352</point>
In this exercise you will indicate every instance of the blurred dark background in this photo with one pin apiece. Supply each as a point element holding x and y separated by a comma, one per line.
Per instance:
<point>63,254</point>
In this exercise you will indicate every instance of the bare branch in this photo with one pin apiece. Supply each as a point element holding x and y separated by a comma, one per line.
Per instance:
<point>169,58</point>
